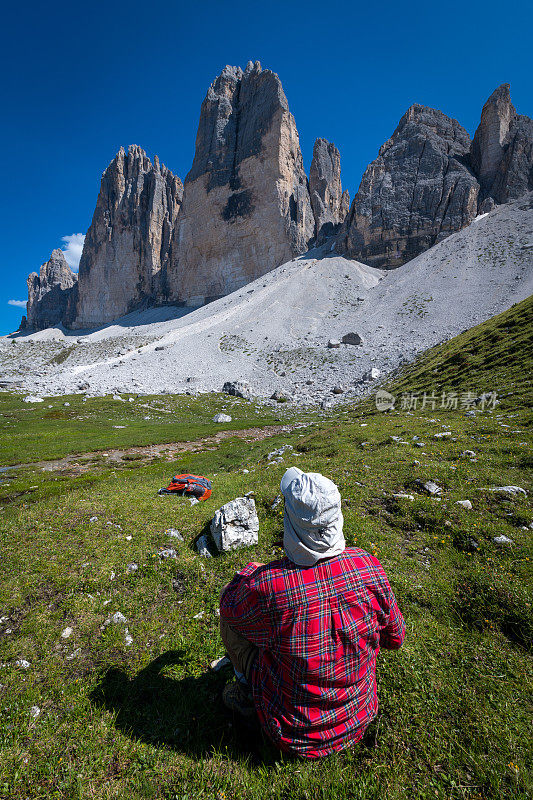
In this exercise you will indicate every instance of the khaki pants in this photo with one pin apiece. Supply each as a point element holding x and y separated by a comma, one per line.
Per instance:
<point>241,652</point>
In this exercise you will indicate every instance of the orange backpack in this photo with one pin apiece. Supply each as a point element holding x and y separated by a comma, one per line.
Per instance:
<point>189,486</point>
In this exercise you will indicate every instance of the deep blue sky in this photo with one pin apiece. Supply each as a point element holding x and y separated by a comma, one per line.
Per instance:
<point>79,80</point>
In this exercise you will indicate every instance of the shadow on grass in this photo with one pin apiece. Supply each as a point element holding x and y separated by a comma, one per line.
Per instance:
<point>183,714</point>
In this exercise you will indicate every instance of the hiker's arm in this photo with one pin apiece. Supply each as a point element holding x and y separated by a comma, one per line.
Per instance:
<point>392,635</point>
<point>242,607</point>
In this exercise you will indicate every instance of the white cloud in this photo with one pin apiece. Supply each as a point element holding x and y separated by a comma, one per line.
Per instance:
<point>73,248</point>
<point>17,303</point>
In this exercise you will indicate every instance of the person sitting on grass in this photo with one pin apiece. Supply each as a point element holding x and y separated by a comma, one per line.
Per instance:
<point>303,632</point>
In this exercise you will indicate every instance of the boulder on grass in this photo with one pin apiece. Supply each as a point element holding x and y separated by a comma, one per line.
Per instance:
<point>237,389</point>
<point>222,418</point>
<point>235,525</point>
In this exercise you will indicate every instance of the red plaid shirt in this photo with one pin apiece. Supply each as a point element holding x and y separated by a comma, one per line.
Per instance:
<point>318,630</point>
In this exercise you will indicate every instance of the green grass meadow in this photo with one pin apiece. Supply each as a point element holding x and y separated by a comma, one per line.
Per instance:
<point>131,710</point>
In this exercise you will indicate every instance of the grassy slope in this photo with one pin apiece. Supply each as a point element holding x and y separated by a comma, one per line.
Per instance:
<point>145,721</point>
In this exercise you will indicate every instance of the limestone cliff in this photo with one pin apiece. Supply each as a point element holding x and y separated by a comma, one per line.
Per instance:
<point>49,292</point>
<point>128,241</point>
<point>502,149</point>
<point>418,191</point>
<point>246,206</point>
<point>330,204</point>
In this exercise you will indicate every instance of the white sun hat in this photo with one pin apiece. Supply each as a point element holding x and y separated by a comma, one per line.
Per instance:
<point>313,518</point>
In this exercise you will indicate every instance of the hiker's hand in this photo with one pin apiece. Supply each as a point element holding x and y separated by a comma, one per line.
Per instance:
<point>256,564</point>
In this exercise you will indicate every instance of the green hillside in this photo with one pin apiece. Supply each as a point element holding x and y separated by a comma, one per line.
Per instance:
<point>144,719</point>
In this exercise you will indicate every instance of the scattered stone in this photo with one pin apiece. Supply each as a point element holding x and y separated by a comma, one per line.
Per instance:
<point>193,501</point>
<point>468,454</point>
<point>235,524</point>
<point>200,615</point>
<point>403,496</point>
<point>279,452</point>
<point>22,663</point>
<point>504,540</point>
<point>159,348</point>
<point>430,487</point>
<point>202,547</point>
<point>66,633</point>
<point>326,404</point>
<point>442,435</point>
<point>74,654</point>
<point>175,534</point>
<point>238,389</point>
<point>219,663</point>
<point>118,618</point>
<point>511,491</point>
<point>34,712</point>
<point>280,396</point>
<point>167,552</point>
<point>420,444</point>
<point>129,537</point>
<point>222,418</point>
<point>338,390</point>
<point>465,504</point>
<point>131,568</point>
<point>334,343</point>
<point>372,374</point>
<point>352,338</point>
<point>128,639</point>
<point>31,398</point>
<point>93,519</point>
<point>66,404</point>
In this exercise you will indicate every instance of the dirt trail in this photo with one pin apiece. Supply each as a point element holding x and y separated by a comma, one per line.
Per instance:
<point>81,462</point>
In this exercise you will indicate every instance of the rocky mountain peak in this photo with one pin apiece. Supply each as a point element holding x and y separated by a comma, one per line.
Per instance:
<point>127,245</point>
<point>49,292</point>
<point>329,203</point>
<point>417,191</point>
<point>246,190</point>
<point>502,149</point>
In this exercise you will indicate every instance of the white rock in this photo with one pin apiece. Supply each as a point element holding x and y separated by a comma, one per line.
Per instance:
<point>465,504</point>
<point>200,615</point>
<point>442,435</point>
<point>66,404</point>
<point>128,639</point>
<point>235,524</point>
<point>168,552</point>
<point>222,418</point>
<point>118,618</point>
<point>334,343</point>
<point>32,398</point>
<point>403,496</point>
<point>193,501</point>
<point>468,454</point>
<point>131,568</point>
<point>34,712</point>
<point>372,374</point>
<point>430,487</point>
<point>22,663</point>
<point>129,537</point>
<point>93,519</point>
<point>66,633</point>
<point>512,491</point>
<point>502,540</point>
<point>175,534</point>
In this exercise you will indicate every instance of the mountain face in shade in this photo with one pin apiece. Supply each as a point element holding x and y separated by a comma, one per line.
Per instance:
<point>329,203</point>
<point>127,244</point>
<point>417,191</point>
<point>246,206</point>
<point>49,292</point>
